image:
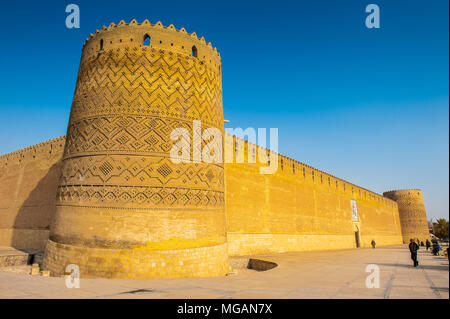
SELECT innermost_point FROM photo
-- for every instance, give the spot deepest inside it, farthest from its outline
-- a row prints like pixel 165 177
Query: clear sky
pixel 366 105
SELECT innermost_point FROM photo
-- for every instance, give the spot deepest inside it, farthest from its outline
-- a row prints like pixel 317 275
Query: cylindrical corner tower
pixel 411 209
pixel 124 209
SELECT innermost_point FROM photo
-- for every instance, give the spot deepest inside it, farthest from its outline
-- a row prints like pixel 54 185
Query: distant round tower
pixel 124 209
pixel 413 217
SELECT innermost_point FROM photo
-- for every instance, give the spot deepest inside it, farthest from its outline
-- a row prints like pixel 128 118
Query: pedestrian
pixel 373 243
pixel 427 244
pixel 421 243
pixel 436 248
pixel 413 248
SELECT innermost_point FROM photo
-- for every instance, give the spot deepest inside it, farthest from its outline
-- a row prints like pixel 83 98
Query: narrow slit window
pixel 101 44
pixel 146 40
pixel 194 51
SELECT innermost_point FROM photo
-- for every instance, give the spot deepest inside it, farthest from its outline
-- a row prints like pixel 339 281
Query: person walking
pixel 413 248
pixel 373 243
pixel 427 244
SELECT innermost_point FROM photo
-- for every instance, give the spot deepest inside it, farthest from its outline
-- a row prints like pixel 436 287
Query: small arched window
pixel 146 40
pixel 194 51
pixel 101 44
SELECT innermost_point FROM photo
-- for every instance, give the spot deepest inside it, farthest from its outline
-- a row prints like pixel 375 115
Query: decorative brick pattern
pixel 412 213
pixel 119 188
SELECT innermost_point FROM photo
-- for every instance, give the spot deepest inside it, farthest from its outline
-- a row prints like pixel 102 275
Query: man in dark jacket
pixel 413 248
pixel 428 244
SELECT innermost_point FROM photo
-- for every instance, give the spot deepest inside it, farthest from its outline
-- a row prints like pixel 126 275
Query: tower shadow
pixel 31 226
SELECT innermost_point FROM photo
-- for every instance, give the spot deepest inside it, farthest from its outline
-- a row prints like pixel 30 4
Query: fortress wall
pixel 28 183
pixel 301 208
pixel 286 211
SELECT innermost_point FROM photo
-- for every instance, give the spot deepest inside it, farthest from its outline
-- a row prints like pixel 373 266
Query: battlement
pixel 48 148
pixel 290 167
pixel 406 190
pixel 135 35
pixel 401 193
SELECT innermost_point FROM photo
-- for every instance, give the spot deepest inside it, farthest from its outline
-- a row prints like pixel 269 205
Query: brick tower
pixel 124 209
pixel 413 216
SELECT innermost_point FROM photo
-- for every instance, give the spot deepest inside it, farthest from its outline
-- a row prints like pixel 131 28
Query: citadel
pixel 107 196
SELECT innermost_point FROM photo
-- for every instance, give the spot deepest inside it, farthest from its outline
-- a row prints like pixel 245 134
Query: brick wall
pixel 28 183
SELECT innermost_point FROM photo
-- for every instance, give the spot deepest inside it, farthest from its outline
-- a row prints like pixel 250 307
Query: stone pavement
pixel 323 274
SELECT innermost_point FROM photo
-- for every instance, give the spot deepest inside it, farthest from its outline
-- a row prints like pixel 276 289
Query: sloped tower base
pixel 137 263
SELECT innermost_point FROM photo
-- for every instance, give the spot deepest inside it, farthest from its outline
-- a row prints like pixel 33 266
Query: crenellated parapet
pixel 155 37
pixel 292 168
pixel 36 153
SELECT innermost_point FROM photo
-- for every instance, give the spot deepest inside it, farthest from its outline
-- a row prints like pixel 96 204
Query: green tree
pixel 441 228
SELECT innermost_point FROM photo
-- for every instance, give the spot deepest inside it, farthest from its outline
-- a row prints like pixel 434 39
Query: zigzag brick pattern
pixel 411 209
pixel 119 191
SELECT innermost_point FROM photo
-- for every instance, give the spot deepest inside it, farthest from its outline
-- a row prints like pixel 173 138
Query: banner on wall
pixel 354 210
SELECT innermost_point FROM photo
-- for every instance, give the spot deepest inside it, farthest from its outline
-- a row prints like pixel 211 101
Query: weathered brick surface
pixel 413 217
pixel 138 263
pixel 29 179
pixel 119 189
pixel 301 208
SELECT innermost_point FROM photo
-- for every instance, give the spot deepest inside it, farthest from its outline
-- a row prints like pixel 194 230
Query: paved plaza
pixel 322 274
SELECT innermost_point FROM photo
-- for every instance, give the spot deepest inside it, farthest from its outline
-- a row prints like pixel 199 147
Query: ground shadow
pixel 32 220
pixel 430 267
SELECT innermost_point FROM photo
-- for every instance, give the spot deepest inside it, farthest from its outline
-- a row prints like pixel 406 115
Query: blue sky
pixel 366 105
